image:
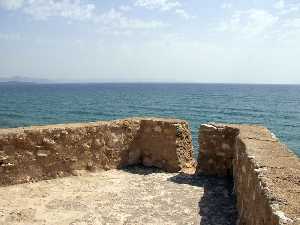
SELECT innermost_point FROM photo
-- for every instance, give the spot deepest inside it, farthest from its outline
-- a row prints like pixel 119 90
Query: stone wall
pixel 266 174
pixel 165 144
pixel 36 153
pixel 216 143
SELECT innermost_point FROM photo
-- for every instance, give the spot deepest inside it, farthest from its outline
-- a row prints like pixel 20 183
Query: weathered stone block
pixel 216 144
pixel 165 147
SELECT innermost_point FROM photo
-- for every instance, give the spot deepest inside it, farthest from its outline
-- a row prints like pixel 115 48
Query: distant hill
pixel 20 79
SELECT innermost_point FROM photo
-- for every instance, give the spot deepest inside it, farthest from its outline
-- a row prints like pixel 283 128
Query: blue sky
pixel 151 40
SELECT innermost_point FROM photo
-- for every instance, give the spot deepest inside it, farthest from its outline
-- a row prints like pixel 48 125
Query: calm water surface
pixel 275 106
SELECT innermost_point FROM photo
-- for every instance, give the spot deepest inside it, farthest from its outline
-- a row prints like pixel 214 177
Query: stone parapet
pixel 44 152
pixel 164 143
pixel 217 143
pixel 266 174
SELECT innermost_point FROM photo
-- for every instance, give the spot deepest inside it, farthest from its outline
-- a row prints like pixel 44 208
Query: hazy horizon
pixel 151 41
pixel 49 81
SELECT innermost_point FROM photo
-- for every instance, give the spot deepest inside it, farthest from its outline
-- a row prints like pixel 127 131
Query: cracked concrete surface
pixel 135 195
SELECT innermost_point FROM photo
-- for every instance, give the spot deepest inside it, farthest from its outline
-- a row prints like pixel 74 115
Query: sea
pixel 274 106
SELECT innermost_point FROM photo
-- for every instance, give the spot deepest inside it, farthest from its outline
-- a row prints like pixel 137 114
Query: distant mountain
pixel 20 79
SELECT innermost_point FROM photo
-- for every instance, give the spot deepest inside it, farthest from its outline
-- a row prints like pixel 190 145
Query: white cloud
pixel 285 8
pixel 249 23
pixel 70 9
pixel 115 22
pixel 11 4
pixel 182 13
pixel 43 9
pixel 115 19
pixel 164 5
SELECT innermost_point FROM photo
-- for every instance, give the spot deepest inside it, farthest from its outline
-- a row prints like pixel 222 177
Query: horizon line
pixel 141 82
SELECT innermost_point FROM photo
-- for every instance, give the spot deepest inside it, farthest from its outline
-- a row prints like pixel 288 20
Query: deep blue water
pixel 275 106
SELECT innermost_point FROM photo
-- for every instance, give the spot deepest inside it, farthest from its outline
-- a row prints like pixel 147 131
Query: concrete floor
pixel 132 196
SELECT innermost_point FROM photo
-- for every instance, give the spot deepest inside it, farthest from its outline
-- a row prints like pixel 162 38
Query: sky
pixel 223 41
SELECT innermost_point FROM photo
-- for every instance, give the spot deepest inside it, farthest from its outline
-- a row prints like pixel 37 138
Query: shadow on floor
pixel 217 205
pixel 141 170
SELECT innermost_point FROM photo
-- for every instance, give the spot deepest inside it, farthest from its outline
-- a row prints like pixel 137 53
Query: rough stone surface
pixel 132 196
pixel 37 153
pixel 165 144
pixel 268 189
pixel 266 174
pixel 216 144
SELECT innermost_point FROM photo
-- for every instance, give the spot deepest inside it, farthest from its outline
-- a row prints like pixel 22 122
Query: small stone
pixel 74 159
pixel 273 136
pixel 251 157
pixel 209 126
pixel 9 164
pixel 29 153
pixel 42 153
pixel 27 178
pixel 60 174
pixel 86 146
pixel 260 169
pixel 3 157
pixel 64 132
pixel 283 218
pixel 275 206
pixel 48 141
pixel 56 135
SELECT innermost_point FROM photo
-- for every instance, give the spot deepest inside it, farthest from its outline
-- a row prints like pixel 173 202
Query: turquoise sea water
pixel 275 106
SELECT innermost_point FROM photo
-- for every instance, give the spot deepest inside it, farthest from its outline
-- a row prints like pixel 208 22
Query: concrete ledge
pixel 44 152
pixel 266 174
